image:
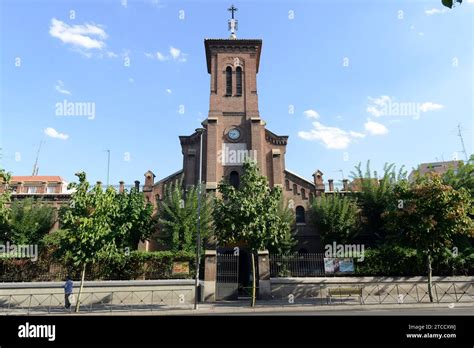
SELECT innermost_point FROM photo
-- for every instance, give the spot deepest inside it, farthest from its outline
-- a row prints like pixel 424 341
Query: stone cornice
pixel 275 139
pixel 232 45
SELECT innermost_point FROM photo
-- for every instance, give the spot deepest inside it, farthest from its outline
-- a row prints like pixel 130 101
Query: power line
pixel 462 142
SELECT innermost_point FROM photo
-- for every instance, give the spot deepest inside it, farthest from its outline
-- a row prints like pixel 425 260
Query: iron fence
pixel 297 265
pixel 368 293
pixel 42 271
pixel 101 302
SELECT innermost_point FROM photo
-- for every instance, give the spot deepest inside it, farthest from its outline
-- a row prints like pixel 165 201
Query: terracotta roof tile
pixel 42 178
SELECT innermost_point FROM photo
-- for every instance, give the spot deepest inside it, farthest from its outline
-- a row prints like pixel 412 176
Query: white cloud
pixel 330 137
pixel 375 128
pixel 435 11
pixel 59 86
pixel 169 91
pixel 131 80
pixel 378 104
pixel 174 54
pixel 111 54
pixel 430 106
pixel 311 113
pixel 86 36
pixel 160 57
pixel 53 133
pixel 389 106
pixel 421 33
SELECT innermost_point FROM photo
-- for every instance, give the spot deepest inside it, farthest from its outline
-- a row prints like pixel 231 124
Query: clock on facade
pixel 234 134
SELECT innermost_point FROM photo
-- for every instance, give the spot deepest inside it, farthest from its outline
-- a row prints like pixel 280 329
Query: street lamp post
pixel 200 131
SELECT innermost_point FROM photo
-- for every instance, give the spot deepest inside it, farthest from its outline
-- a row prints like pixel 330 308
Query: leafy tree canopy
pixel 251 213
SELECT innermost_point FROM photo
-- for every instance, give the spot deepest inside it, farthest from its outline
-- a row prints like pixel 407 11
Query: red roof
pixel 42 178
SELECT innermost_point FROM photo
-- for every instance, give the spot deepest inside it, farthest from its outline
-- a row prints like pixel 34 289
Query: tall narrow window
pixel 234 179
pixel 238 79
pixel 228 80
pixel 300 218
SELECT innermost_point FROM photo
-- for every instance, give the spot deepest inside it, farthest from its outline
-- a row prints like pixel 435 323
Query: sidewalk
pixel 268 307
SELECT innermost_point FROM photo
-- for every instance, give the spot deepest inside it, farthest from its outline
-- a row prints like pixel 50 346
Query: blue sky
pixel 387 81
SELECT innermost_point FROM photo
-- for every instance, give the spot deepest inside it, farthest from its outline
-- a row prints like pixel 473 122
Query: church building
pixel 233 130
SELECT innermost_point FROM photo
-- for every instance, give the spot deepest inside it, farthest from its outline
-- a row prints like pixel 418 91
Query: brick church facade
pixel 233 130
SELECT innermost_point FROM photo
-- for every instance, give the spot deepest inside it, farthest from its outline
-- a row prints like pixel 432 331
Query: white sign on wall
pixel 234 154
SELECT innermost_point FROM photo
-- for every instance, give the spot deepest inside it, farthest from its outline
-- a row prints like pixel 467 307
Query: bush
pixel 402 261
pixel 137 265
pixel 336 218
pixel 142 265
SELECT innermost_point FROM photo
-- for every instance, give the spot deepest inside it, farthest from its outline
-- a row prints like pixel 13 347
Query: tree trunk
pixel 429 269
pixel 78 300
pixel 253 280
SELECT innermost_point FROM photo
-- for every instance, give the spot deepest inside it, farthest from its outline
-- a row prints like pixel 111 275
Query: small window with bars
pixel 228 81
pixel 238 80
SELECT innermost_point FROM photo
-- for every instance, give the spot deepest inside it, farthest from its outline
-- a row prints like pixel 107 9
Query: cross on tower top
pixel 233 23
pixel 232 9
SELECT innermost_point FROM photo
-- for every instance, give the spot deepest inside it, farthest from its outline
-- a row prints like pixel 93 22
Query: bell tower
pixel 234 127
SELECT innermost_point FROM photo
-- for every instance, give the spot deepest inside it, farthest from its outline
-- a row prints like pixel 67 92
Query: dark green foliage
pixel 30 221
pixel 137 265
pixel 5 199
pixel 251 215
pixel 178 216
pixel 374 197
pixel 398 261
pixel 336 218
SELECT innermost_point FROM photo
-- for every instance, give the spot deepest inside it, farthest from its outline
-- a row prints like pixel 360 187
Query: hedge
pixel 403 261
pixel 136 265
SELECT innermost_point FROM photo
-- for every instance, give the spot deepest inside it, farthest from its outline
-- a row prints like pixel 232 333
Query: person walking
pixel 68 287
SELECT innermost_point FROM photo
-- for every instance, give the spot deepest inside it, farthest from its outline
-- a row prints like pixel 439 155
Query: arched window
pixel 295 189
pixel 300 214
pixel 311 196
pixel 234 179
pixel 238 80
pixel 287 185
pixel 228 81
pixel 303 193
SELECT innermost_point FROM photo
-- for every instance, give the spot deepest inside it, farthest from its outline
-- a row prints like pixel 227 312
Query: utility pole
pixel 108 166
pixel 199 131
pixel 35 166
pixel 462 143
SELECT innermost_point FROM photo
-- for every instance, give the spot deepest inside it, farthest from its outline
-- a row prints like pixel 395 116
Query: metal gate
pixel 227 280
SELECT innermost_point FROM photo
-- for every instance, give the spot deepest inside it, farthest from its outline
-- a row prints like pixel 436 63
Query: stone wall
pixel 169 293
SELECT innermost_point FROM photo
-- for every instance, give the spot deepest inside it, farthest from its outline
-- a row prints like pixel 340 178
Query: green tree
pixel 178 216
pixel 462 177
pixel 88 224
pixel 30 221
pixel 336 218
pixel 374 197
pixel 287 240
pixel 429 215
pixel 134 221
pixel 250 214
pixel 5 200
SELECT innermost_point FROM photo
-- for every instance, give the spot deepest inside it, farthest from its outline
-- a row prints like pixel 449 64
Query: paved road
pixel 377 311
